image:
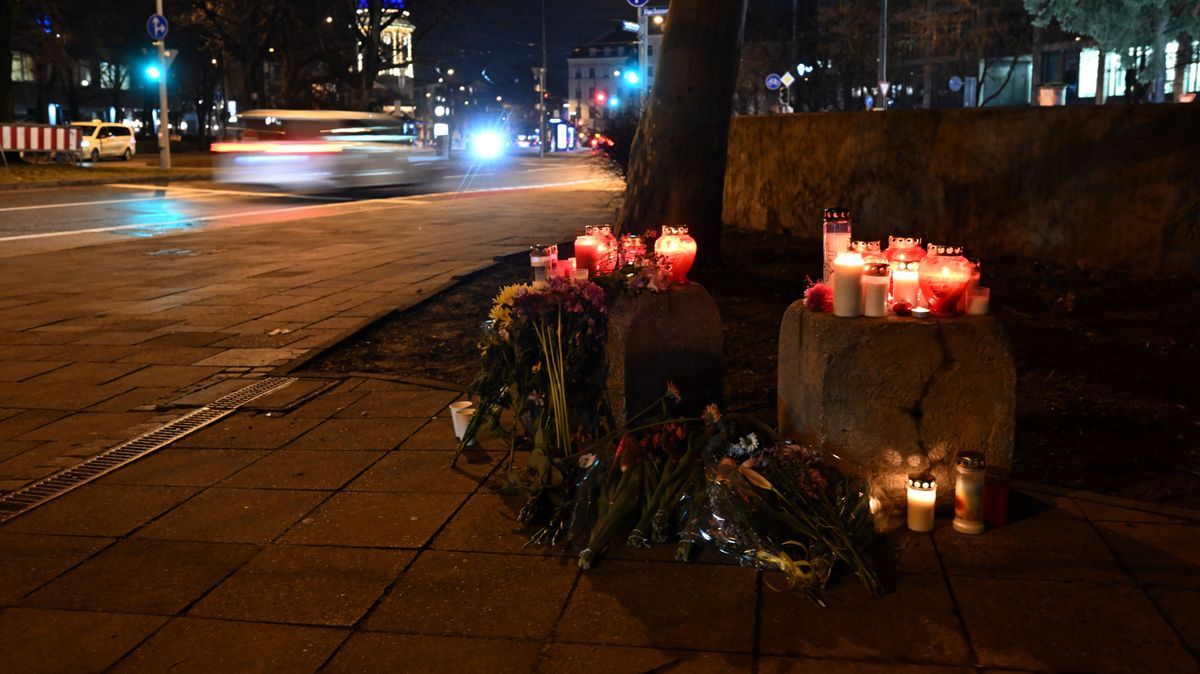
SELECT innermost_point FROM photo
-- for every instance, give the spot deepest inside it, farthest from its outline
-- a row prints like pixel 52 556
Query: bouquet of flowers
pixel 776 505
pixel 543 359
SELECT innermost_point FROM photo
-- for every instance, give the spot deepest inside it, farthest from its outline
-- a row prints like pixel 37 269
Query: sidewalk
pixel 330 533
pixel 143 168
pixel 93 339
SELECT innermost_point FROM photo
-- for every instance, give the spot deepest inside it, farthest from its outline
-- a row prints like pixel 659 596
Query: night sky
pixel 503 37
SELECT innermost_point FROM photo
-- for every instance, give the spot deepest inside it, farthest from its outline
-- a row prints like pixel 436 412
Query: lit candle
pixel 922 497
pixel 905 282
pixel 977 303
pixel 847 284
pixel 875 289
pixel 944 277
pixel 920 312
pixel 585 250
pixel 678 249
pixel 836 232
pixel 539 259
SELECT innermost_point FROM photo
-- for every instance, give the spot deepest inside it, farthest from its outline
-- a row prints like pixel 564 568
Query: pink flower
pixel 819 297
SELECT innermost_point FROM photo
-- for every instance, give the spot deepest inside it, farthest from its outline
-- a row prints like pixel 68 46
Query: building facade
pixel 605 77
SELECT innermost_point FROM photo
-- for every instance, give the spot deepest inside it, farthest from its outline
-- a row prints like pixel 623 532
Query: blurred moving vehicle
pixel 316 150
pixel 104 139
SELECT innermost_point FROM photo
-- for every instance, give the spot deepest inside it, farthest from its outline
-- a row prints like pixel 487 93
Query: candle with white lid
pixel 875 289
pixel 848 284
pixel 905 282
pixel 836 236
pixel 922 499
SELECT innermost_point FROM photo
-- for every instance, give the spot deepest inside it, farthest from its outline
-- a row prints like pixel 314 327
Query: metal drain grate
pixel 27 498
pixel 254 391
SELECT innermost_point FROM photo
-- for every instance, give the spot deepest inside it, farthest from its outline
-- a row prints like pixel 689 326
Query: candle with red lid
pixel 678 250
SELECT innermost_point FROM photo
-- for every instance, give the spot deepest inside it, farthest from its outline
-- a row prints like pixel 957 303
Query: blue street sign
pixel 156 26
pixel 774 81
pixel 638 3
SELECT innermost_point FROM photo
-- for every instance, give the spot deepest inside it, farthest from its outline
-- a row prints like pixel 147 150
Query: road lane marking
pixel 272 211
pixel 72 204
pixel 217 192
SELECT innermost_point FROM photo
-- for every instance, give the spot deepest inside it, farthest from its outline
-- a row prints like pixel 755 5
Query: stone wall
pixel 1105 186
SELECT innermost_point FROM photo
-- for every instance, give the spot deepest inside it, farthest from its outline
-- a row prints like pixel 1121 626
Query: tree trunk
pixel 1101 73
pixel 1160 60
pixel 8 20
pixel 1183 58
pixel 927 66
pixel 119 75
pixel 677 164
pixel 370 67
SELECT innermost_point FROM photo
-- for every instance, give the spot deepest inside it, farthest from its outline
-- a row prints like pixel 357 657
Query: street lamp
pixel 450 72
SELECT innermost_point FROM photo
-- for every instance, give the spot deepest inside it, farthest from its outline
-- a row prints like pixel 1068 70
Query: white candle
pixel 875 290
pixel 835 245
pixel 922 497
pixel 977 304
pixel 905 284
pixel 847 284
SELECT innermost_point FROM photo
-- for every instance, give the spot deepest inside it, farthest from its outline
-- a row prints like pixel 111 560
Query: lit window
pixel 22 68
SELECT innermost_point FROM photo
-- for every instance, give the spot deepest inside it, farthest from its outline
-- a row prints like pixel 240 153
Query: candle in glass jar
pixel 539 260
pixel 875 289
pixel 905 282
pixel 585 250
pixel 922 498
pixel 977 301
pixel 836 234
pixel 848 284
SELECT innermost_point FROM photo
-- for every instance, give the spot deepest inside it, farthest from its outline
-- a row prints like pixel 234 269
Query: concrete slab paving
pixel 114 326
pixel 302 584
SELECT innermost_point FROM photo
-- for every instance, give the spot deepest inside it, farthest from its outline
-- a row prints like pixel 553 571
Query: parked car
pixel 315 150
pixel 103 139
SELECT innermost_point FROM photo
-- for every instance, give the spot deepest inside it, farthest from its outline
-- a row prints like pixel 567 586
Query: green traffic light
pixel 153 73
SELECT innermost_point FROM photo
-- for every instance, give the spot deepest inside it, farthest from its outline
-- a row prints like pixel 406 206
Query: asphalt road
pixel 60 218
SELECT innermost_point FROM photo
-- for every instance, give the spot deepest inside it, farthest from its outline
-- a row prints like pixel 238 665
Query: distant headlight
pixel 487 144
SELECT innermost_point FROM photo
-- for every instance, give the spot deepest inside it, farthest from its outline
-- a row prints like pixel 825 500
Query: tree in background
pixel 677 168
pixel 8 23
pixel 1121 25
pixel 964 35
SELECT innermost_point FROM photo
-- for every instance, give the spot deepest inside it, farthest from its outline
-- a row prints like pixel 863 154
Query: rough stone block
pixel 894 396
pixel 672 336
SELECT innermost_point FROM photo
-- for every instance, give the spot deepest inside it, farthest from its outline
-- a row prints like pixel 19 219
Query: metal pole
pixel 883 42
pixel 643 55
pixel 542 90
pixel 164 113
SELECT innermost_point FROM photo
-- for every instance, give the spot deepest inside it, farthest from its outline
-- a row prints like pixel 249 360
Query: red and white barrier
pixel 38 138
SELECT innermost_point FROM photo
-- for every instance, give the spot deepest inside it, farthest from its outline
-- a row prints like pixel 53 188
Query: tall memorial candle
pixel 836 234
pixel 848 284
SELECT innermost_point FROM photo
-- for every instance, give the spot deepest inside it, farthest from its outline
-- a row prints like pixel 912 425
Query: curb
pixel 103 181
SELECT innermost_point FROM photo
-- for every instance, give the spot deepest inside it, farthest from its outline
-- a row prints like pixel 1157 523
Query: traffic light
pixel 153 73
pixel 632 77
pixel 601 97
